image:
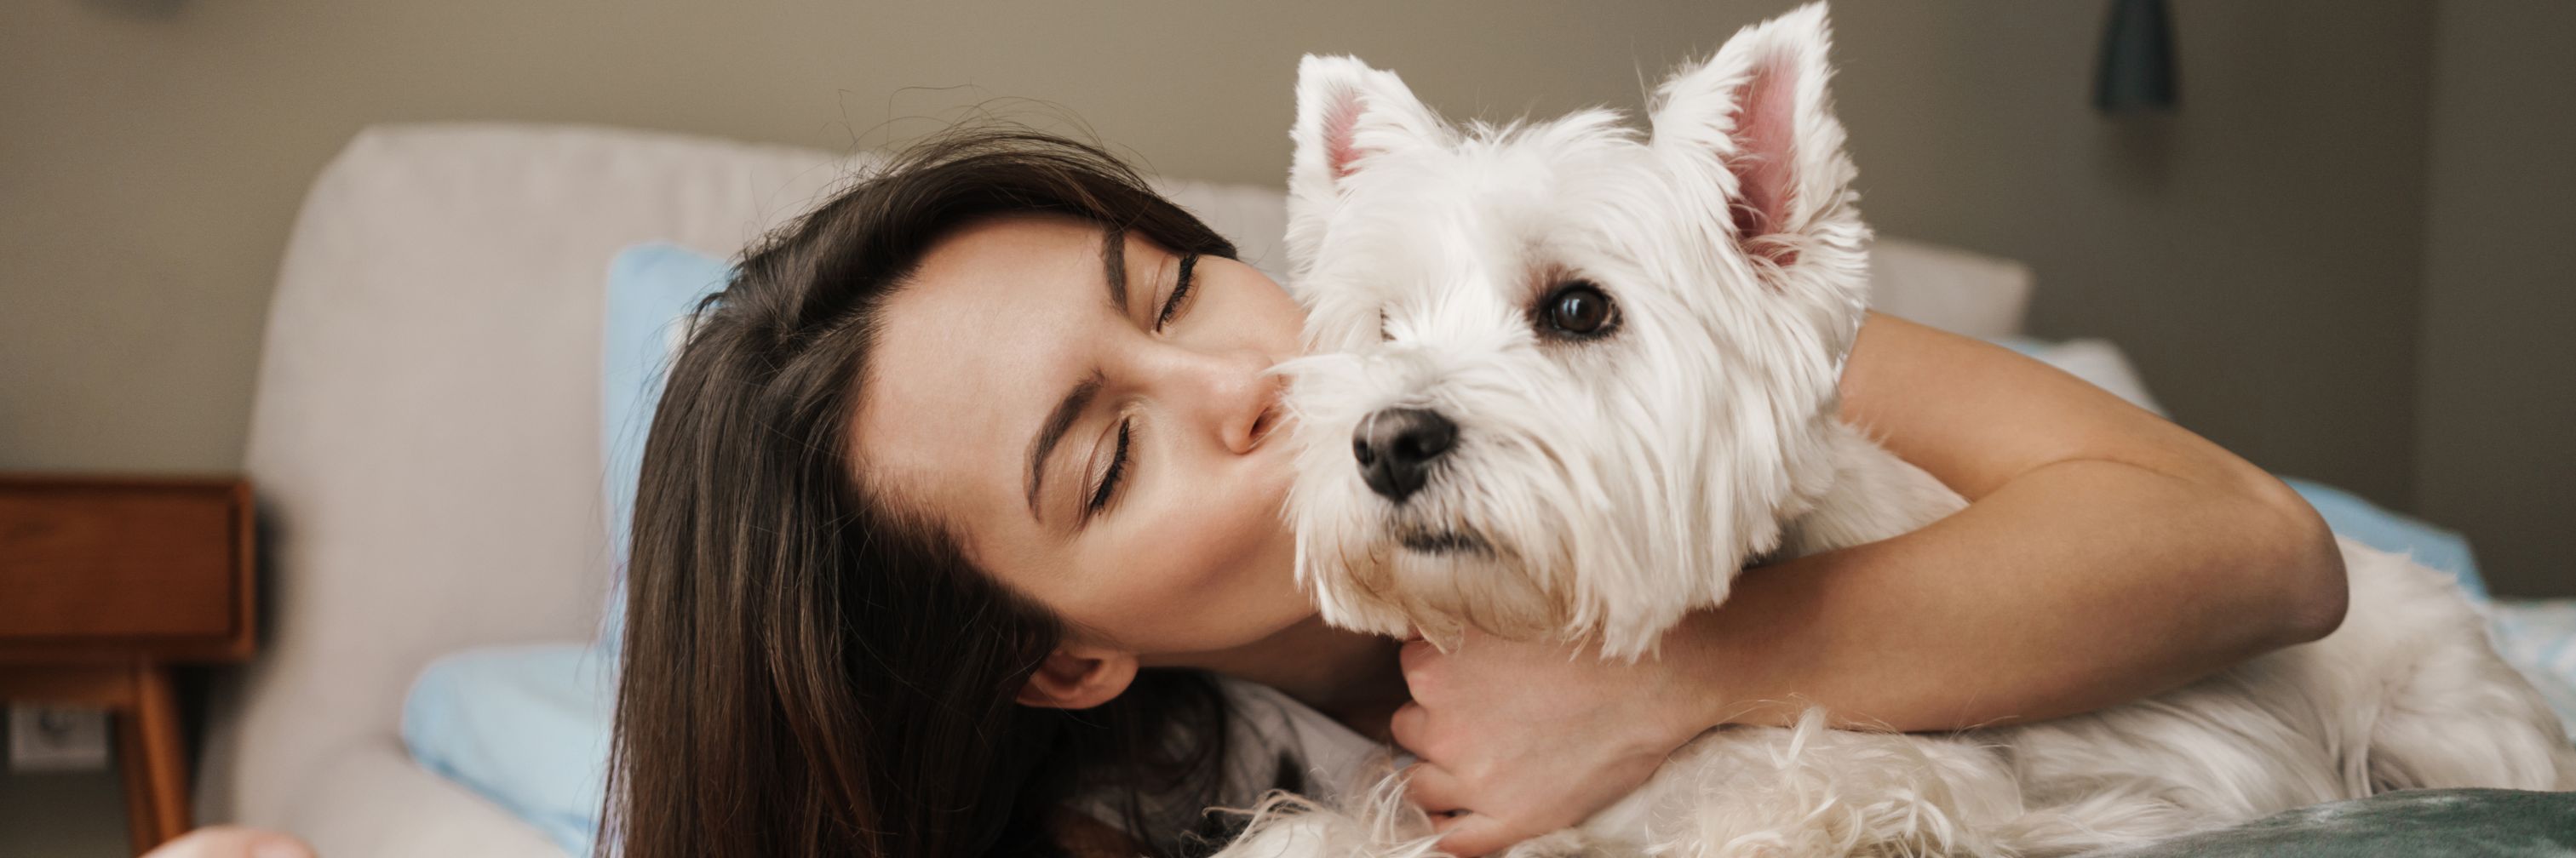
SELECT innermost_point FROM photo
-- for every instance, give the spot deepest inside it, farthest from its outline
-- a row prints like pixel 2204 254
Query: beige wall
pixel 2259 252
pixel 152 151
pixel 2497 419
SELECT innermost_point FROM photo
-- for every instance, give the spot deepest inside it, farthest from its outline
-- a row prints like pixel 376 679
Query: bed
pixel 437 449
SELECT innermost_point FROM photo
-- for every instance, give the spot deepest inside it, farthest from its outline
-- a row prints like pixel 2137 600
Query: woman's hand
pixel 1521 739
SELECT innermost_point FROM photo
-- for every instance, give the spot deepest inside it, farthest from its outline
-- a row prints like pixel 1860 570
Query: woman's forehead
pixel 996 322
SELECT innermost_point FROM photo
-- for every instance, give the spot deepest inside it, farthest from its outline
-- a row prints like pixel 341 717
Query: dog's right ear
pixel 1347 114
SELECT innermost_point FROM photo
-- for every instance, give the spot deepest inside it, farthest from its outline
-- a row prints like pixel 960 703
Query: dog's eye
pixel 1577 310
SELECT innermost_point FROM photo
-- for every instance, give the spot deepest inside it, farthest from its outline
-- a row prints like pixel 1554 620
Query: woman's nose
pixel 1231 394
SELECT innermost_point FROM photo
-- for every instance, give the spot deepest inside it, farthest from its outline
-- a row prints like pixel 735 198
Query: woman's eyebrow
pixel 1052 431
pixel 1113 262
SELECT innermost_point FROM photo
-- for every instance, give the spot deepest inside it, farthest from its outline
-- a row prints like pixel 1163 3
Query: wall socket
pixel 56 738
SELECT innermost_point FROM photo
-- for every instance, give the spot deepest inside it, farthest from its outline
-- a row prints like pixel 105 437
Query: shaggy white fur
pixel 1604 481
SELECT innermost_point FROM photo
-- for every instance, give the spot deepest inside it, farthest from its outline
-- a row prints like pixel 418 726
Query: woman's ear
pixel 1079 676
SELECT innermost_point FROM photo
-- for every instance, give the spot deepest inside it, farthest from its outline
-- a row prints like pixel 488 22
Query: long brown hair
pixel 811 668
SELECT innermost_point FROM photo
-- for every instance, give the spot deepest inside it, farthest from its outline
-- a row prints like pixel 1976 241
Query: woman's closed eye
pixel 1111 479
pixel 1182 290
pixel 1107 488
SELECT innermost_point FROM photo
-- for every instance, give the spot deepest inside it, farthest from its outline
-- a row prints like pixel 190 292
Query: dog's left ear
pixel 1757 123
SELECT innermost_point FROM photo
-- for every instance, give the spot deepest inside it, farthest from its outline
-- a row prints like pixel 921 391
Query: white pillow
pixel 1959 291
pixel 2093 360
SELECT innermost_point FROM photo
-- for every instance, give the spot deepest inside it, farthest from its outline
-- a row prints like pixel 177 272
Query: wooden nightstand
pixel 106 581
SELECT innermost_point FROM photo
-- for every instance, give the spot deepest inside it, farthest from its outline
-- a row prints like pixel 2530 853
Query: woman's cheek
pixel 1207 545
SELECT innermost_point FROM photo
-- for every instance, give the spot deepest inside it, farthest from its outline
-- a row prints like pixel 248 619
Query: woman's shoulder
pixel 1271 729
pixel 1272 742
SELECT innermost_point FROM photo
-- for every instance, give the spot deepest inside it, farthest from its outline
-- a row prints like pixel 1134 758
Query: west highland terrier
pixel 1571 378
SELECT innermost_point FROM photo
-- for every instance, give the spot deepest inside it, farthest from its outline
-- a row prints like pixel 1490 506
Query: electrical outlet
pixel 56 738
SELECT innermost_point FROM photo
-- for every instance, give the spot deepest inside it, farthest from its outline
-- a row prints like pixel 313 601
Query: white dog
pixel 1573 378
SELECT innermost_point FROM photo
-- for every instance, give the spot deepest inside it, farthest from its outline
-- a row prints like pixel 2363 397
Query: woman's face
pixel 1099 446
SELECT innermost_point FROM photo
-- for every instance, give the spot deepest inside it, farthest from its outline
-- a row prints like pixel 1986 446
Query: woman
pixel 964 489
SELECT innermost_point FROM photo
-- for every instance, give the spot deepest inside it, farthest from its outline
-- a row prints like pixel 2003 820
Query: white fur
pixel 1619 483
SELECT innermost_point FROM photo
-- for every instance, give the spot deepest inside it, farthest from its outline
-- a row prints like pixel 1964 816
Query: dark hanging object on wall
pixel 2137 59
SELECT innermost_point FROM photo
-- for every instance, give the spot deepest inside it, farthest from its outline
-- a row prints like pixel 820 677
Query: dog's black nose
pixel 1396 447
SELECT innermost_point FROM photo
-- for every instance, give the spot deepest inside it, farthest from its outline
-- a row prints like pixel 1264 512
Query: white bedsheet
pixel 2539 637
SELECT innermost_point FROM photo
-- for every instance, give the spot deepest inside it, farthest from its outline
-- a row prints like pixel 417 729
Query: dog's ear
pixel 1347 113
pixel 1757 124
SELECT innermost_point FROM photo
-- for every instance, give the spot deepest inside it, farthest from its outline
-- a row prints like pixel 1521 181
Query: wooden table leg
pixel 156 772
pixel 147 734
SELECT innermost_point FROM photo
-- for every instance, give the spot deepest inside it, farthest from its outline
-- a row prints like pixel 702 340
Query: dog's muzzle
pixel 1397 447
pixel 1445 542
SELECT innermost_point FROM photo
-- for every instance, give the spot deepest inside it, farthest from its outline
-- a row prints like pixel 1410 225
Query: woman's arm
pixel 2105 555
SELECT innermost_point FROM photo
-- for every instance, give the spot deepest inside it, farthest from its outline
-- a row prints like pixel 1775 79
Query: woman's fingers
pixel 1435 791
pixel 1408 726
pixel 1462 832
pixel 1470 835
pixel 1418 659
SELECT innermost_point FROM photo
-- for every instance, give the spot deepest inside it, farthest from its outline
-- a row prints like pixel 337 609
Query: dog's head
pixel 1567 376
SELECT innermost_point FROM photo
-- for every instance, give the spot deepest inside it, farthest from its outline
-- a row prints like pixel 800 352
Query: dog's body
pixel 2406 694
pixel 1569 381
